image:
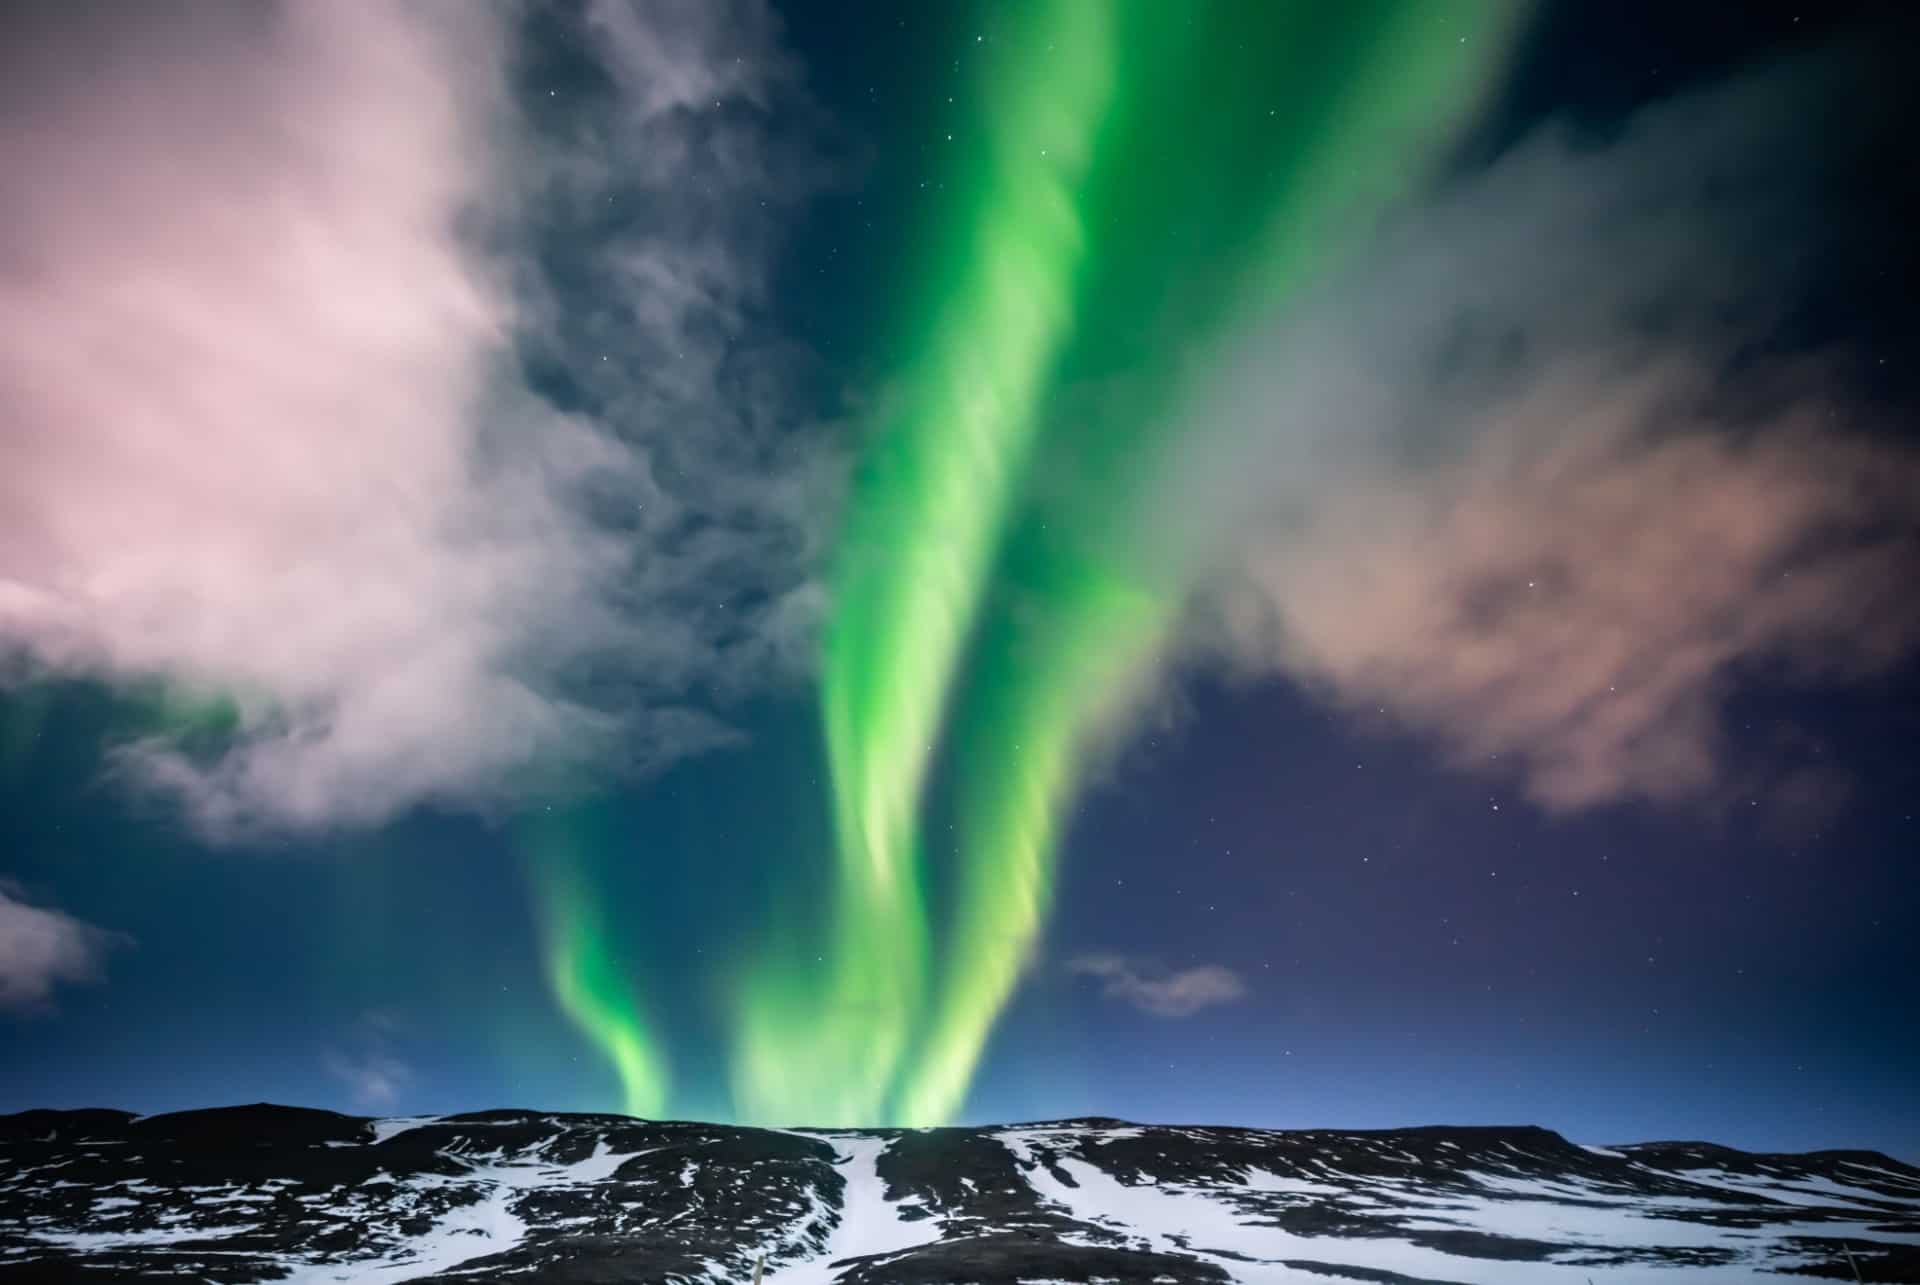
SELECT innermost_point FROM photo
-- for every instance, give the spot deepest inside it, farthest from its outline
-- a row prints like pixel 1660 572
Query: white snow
pixel 135 1239
pixel 397 1125
pixel 1115 1135
pixel 1883 1175
pixel 869 1224
pixel 463 1234
pixel 1811 1191
pixel 1216 1224
pixel 471 1231
pixel 598 1166
pixel 1259 1179
pixel 1223 1219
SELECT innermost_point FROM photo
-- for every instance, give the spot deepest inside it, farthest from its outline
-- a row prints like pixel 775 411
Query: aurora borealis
pixel 1078 172
pixel 922 530
pixel 1075 171
pixel 584 971
pixel 1087 603
pixel 804 563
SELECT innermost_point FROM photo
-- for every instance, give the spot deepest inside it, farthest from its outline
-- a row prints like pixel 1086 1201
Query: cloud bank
pixel 304 406
pixel 41 949
pixel 1552 467
pixel 1161 992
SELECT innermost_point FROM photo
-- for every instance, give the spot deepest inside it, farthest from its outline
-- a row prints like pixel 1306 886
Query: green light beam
pixel 1090 596
pixel 821 1038
pixel 583 971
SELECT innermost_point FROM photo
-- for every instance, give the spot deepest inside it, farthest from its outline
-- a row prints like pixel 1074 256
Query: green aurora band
pixel 1132 184
pixel 1359 97
pixel 822 1044
pixel 584 971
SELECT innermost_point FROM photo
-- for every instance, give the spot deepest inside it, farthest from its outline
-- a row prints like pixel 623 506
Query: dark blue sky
pixel 1419 940
pixel 1412 953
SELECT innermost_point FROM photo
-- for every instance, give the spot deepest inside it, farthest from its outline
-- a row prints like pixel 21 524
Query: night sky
pixel 1259 563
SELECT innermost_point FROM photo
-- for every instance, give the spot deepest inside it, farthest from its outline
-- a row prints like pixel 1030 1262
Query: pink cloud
pixel 262 429
pixel 1577 600
pixel 41 948
pixel 1541 474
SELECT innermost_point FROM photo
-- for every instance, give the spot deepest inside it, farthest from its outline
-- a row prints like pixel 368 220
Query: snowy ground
pixel 868 1224
pixel 272 1193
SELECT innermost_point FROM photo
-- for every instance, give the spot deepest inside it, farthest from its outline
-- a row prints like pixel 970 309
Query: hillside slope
pixel 261 1193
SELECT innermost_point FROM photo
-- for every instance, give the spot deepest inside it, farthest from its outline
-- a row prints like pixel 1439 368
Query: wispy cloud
pixel 375 1080
pixel 303 400
pixel 366 1063
pixel 42 948
pixel 1546 473
pixel 1161 992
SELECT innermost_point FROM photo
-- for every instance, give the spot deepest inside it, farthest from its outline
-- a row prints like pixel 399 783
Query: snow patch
pixel 460 1236
pixel 869 1225
pixel 135 1239
pixel 1211 1224
pixel 397 1125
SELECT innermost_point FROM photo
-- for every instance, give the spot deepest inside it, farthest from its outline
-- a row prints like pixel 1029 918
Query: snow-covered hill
pixel 277 1193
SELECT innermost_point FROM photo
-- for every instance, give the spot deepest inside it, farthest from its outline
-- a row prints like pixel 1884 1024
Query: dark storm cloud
pixel 271 281
pixel 1561 459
